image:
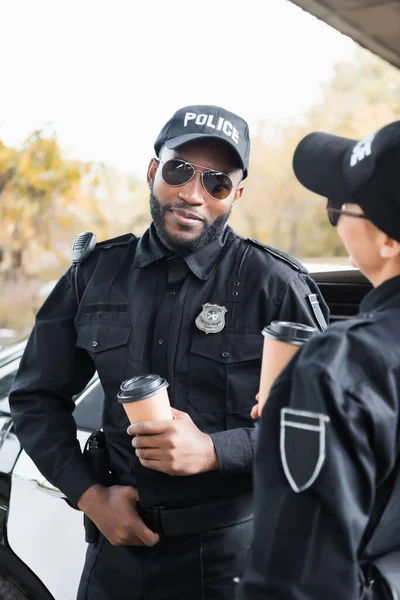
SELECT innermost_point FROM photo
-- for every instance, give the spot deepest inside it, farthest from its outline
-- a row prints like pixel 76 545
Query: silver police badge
pixel 302 446
pixel 212 318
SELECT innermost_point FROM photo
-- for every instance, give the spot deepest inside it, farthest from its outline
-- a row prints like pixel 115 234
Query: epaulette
pixel 85 244
pixel 121 240
pixel 279 255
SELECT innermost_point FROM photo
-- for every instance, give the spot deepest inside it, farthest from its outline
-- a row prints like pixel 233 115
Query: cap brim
pixel 318 165
pixel 190 137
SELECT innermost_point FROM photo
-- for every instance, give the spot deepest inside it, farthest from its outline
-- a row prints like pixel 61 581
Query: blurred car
pixel 40 533
pixel 6 336
pixel 42 545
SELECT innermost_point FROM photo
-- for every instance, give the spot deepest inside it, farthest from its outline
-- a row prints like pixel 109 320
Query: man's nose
pixel 192 192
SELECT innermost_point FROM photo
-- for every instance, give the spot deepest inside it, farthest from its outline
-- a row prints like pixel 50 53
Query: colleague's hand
pixel 175 447
pixel 255 411
pixel 113 511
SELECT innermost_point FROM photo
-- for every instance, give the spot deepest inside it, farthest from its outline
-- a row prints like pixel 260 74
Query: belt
pixel 190 520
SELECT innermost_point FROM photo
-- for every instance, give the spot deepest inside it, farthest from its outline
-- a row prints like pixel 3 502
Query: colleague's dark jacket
pixel 330 428
pixel 137 315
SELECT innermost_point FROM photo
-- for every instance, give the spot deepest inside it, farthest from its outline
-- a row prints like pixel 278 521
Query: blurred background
pixel 86 87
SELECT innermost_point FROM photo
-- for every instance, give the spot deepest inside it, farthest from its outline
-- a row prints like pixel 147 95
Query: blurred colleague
pixel 186 301
pixel 327 487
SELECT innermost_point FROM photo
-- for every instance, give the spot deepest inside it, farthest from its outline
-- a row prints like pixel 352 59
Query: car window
pixel 5 384
pixel 10 353
pixel 7 374
pixel 88 413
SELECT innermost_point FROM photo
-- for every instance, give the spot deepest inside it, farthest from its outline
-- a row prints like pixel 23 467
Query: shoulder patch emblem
pixel 302 446
pixel 212 318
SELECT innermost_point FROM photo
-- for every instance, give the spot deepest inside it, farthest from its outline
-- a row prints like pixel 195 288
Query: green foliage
pixel 45 200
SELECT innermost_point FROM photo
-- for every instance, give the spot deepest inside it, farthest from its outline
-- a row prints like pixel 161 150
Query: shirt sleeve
pixel 235 449
pixel 315 473
pixel 300 295
pixel 52 370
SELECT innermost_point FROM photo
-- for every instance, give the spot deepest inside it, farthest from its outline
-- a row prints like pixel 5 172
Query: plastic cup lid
pixel 140 387
pixel 292 333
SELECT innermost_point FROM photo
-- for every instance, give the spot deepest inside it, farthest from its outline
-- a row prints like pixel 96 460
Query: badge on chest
pixel 212 318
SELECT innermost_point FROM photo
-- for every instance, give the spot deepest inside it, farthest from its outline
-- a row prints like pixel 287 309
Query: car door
pixel 43 529
pixel 343 290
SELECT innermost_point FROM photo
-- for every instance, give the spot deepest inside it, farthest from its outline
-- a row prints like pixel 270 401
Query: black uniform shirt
pixel 137 315
pixel 328 444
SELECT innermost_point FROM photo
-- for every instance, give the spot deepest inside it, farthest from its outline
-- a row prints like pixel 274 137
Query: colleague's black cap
pixel 365 172
pixel 206 121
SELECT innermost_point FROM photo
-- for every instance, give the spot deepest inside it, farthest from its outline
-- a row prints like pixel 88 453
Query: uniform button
pixel 171 294
pixel 225 354
pixel 160 342
pixel 236 283
pixel 235 293
pixel 94 344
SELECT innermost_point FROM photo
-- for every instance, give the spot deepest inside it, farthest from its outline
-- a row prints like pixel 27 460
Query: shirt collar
pixel 201 263
pixel 386 295
pixel 149 249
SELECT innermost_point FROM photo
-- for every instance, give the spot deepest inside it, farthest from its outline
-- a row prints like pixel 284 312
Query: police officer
pixel 327 486
pixel 186 301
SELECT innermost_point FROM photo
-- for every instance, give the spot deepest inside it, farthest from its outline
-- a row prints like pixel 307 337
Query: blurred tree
pixel 8 158
pixel 362 96
pixel 39 175
pixel 46 200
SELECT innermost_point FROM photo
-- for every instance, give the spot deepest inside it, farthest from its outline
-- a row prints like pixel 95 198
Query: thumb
pixel 133 494
pixel 255 412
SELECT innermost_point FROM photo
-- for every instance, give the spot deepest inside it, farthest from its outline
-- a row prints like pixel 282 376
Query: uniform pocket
pixel 100 337
pixel 105 336
pixel 224 376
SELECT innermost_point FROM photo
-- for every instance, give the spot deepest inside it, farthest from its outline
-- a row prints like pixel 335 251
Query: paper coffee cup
pixel 281 342
pixel 145 398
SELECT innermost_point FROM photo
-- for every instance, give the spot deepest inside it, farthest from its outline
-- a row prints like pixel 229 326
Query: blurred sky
pixel 108 74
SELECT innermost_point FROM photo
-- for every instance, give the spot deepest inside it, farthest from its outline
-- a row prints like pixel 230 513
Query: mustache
pixel 183 207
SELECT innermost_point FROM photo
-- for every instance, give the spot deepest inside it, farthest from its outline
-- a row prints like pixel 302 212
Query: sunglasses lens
pixel 218 185
pixel 177 172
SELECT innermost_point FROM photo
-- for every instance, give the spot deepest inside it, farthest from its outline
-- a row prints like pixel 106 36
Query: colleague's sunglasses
pixel 176 172
pixel 334 214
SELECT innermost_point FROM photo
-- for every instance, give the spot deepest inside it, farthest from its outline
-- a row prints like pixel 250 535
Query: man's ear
pixel 238 194
pixel 390 248
pixel 152 170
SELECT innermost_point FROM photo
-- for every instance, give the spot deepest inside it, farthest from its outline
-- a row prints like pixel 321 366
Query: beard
pixel 211 230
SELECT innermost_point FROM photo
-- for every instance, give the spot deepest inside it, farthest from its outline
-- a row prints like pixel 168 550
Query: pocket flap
pixel 96 338
pixel 230 347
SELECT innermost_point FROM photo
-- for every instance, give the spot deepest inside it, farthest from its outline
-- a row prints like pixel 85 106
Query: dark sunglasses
pixel 176 172
pixel 334 214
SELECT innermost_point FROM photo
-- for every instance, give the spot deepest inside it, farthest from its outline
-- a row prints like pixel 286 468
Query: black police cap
pixel 206 121
pixel 365 172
